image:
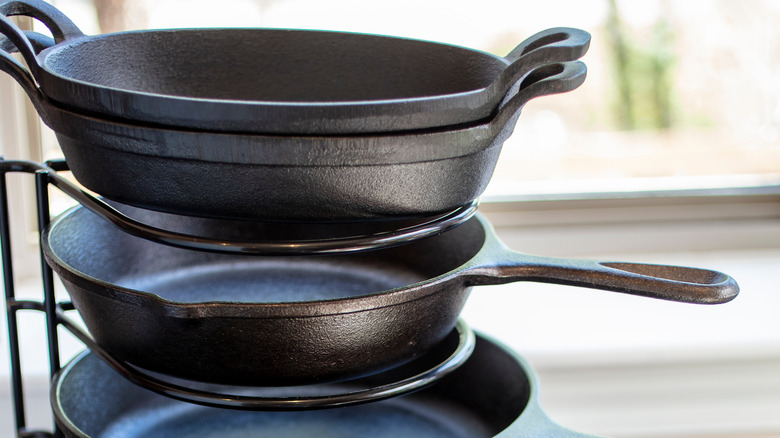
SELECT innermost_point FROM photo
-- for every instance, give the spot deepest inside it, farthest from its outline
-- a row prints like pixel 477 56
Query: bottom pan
pixel 494 394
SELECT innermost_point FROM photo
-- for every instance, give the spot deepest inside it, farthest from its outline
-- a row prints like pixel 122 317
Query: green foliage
pixel 643 86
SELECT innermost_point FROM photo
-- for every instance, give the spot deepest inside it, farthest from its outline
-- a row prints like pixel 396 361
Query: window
pixel 669 153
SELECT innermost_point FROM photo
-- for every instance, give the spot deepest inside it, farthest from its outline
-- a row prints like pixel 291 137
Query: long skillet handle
pixel 674 283
pixel 559 44
pixel 61 27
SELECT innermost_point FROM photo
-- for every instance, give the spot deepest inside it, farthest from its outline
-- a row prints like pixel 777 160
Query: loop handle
pixel 555 78
pixel 61 27
pixel 559 44
pixel 23 45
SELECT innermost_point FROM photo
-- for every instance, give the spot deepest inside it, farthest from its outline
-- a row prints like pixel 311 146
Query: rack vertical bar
pixel 11 308
pixel 49 300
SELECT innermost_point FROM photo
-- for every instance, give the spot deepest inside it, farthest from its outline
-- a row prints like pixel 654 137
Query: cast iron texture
pixel 494 394
pixel 260 320
pixel 275 80
pixel 313 178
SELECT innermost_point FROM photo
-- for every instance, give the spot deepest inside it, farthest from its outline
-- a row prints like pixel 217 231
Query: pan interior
pixel 269 281
pixel 388 420
pixel 273 65
pixel 85 245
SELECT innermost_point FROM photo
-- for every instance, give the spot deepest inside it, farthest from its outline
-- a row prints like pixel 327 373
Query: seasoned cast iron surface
pixel 86 243
pixel 270 280
pixel 272 80
pixel 274 65
pixel 341 321
pixel 257 320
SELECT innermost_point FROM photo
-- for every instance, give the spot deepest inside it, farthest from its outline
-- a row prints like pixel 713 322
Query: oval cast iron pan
pixel 311 178
pixel 276 81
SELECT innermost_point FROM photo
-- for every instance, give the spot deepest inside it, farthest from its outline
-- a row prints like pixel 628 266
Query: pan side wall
pixel 265 351
pixel 280 192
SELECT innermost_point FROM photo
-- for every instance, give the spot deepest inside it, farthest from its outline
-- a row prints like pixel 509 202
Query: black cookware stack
pixel 287 231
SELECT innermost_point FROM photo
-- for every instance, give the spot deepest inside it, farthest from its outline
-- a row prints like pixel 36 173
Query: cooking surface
pixel 271 281
pixel 390 419
pixel 296 66
pixel 89 245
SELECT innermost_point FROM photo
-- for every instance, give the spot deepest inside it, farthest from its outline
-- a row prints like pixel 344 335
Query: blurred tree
pixel 662 63
pixel 644 73
pixel 623 80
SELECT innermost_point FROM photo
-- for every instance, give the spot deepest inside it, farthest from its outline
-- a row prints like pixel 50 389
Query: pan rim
pixel 57 50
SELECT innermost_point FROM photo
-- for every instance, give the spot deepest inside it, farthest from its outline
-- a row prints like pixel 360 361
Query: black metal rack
pixel 46 174
pixel 48 305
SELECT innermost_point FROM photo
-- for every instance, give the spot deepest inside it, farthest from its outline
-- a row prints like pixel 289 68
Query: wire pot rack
pixel 46 174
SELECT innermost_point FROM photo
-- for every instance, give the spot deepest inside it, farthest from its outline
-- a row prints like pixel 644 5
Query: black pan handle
pixel 554 78
pixel 559 44
pixel 674 283
pixel 61 27
pixel 39 42
pixel 20 74
pixel 17 70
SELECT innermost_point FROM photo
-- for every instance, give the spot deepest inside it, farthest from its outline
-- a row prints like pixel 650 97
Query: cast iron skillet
pixel 494 394
pixel 274 80
pixel 311 178
pixel 263 320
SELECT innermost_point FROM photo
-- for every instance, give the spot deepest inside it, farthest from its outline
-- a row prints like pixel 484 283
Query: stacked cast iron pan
pixel 283 124
pixel 237 135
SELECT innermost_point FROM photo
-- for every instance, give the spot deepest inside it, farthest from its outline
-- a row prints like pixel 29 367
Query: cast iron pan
pixel 494 394
pixel 262 320
pixel 312 178
pixel 274 80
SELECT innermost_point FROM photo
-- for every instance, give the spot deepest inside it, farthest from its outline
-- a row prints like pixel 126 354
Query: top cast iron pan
pixel 278 177
pixel 265 320
pixel 277 81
